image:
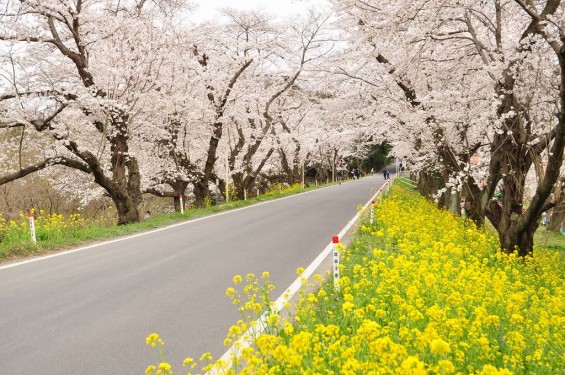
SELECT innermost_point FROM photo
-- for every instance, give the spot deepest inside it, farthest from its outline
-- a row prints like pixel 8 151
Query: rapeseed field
pixel 421 292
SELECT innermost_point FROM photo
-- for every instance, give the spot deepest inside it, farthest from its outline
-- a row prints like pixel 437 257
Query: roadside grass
pixel 550 240
pixel 420 292
pixel 60 232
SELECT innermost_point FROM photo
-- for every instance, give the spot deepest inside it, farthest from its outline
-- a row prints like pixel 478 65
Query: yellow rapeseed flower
pixel 206 357
pixel 189 362
pixel 164 368
pixel 230 292
pixel 152 340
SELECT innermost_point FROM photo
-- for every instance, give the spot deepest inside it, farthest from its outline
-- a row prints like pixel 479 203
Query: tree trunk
pixel 453 202
pixel 238 182
pixel 125 173
pixel 124 187
pixel 556 219
pixel 427 184
pixel 473 204
pixel 513 156
pixel 522 242
pixel 516 233
pixel 128 211
pixel 200 191
pixel 246 183
pixel 558 213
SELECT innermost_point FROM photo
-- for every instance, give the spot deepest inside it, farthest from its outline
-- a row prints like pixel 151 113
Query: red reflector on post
pixel 335 239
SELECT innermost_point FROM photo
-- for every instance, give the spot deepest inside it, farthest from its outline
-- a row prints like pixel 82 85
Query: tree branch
pixel 75 164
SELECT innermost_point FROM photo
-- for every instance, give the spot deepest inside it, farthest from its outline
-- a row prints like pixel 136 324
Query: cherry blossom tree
pixel 469 54
pixel 271 62
pixel 86 77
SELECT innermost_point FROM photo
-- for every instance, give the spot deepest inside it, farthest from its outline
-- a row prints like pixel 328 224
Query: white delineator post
pixel 32 226
pixel 303 184
pixel 335 241
pixel 181 205
pixel 372 212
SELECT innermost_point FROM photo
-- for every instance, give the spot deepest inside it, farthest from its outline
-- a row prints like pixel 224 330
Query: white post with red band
pixel 335 241
pixel 32 226
pixel 181 205
pixel 372 212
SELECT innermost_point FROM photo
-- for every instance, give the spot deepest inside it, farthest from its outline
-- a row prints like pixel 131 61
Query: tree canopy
pixel 133 99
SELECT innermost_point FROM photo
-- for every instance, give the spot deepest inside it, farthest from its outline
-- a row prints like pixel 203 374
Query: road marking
pixel 257 326
pixel 88 247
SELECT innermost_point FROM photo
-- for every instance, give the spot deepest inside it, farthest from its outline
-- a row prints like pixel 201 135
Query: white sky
pixel 207 9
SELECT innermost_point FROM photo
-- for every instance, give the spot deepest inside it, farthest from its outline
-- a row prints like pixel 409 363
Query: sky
pixel 207 9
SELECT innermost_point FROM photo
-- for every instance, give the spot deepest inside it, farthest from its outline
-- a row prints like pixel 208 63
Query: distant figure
pixel 462 209
pixel 147 215
pixel 355 173
pixel 384 173
pixel 372 171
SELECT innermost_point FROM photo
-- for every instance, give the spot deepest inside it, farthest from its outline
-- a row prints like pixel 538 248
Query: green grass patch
pixel 59 232
pixel 550 240
pixel 405 181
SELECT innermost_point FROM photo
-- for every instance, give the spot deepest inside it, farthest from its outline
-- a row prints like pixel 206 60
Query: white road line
pixel 88 247
pixel 257 327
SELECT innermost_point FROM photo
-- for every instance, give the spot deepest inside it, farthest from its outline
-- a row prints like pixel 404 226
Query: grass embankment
pixel 58 232
pixel 550 240
pixel 421 292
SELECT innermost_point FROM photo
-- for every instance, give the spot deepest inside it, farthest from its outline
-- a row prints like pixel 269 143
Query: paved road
pixel 88 312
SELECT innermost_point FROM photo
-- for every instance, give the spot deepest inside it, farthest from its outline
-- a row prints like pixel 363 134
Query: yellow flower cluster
pixel 153 340
pixel 280 188
pixel 422 292
pixel 163 368
pixel 47 226
pixel 251 296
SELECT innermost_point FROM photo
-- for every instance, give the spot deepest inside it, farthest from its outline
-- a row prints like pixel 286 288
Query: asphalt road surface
pixel 89 311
